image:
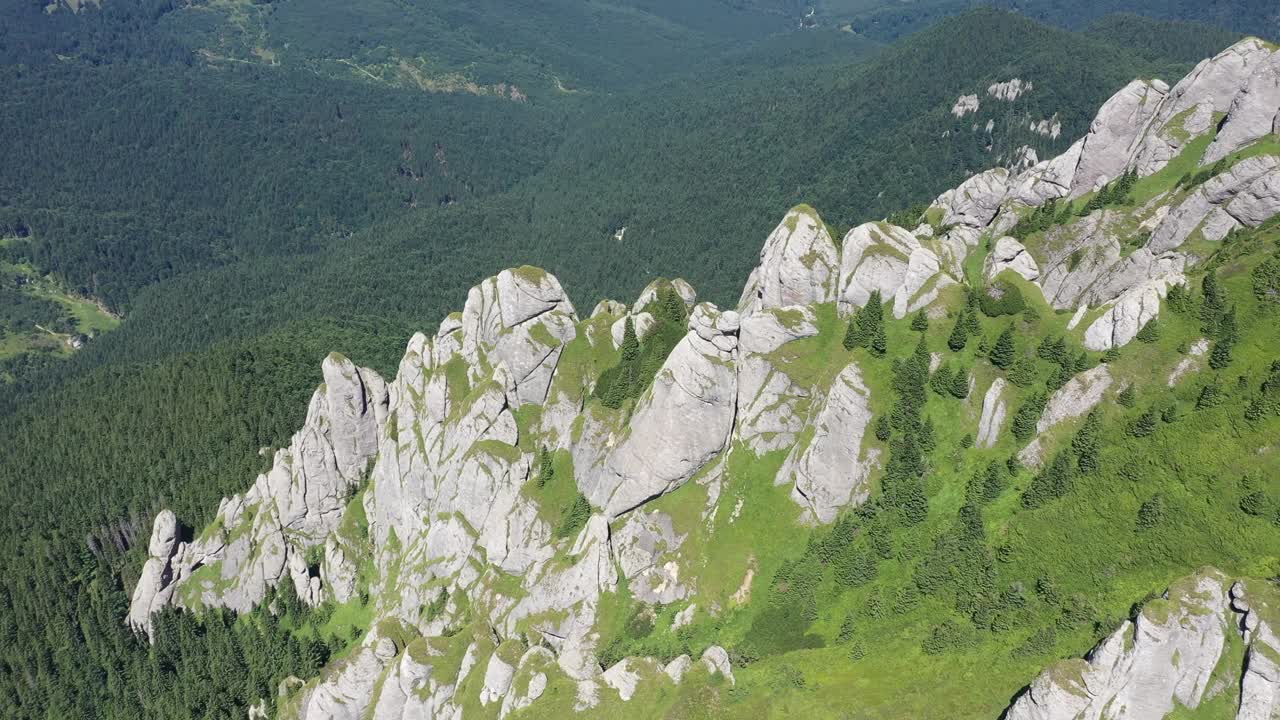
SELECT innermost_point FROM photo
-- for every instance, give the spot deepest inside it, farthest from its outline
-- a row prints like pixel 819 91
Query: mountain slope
pixel 542 514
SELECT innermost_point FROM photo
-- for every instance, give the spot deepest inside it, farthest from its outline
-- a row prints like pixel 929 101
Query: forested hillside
pixel 886 20
pixel 253 188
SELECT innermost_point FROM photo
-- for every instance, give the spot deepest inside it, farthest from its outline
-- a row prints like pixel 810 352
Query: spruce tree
pixel 959 334
pixel 1087 442
pixel 941 381
pixel 1128 397
pixel 959 388
pixel 630 345
pixel 920 323
pixel 1024 421
pixel 879 341
pixel 546 470
pixel 1145 425
pixel 1212 306
pixel 1220 356
pixel 1150 332
pixel 883 429
pixel 1023 372
pixel 866 328
pixel 972 325
pixel 1004 352
pixel 928 439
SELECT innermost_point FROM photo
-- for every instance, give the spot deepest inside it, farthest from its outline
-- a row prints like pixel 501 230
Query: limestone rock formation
pixel 646 547
pixel 1081 394
pixel 1244 195
pixel 798 265
pixel 430 479
pixel 1009 254
pixel 884 257
pixel 1128 314
pixel 1047 179
pixel 681 422
pixel 994 409
pixel 1115 131
pixel 155 583
pixel 261 536
pixel 770 406
pixel 520 319
pixel 1253 110
pixel 832 469
pixel 976 201
pixel 1173 654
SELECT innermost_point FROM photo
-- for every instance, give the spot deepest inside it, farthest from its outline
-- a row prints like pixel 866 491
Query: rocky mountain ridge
pixel 417 492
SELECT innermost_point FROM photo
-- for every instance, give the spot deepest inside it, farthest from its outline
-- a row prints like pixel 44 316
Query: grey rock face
pixel 573 593
pixel 625 676
pixel 521 319
pixel 717 661
pixel 1080 395
pixel 155 583
pixel 1164 659
pixel 884 257
pixel 994 409
pixel 646 547
pixel 260 536
pixel 770 406
pixel 1116 129
pixel 338 572
pixel 1249 186
pixel 1252 112
pixel 410 689
pixel 976 201
pixel 1128 314
pixel 1009 254
pixel 798 265
pixel 349 691
pixel 681 422
pixel 1048 179
pixel 497 680
pixel 965 104
pixel 1189 109
pixel 831 471
pixel 677 668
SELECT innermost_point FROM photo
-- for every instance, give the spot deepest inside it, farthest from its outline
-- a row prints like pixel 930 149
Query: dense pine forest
pixel 214 212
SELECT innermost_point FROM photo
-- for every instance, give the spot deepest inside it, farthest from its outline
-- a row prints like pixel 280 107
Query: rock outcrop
pixel 1115 132
pixel 681 422
pixel 832 469
pixel 1174 653
pixel 887 258
pixel 771 407
pixel 994 409
pixel 1009 254
pixel 1128 314
pixel 798 265
pixel 1245 195
pixel 261 537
